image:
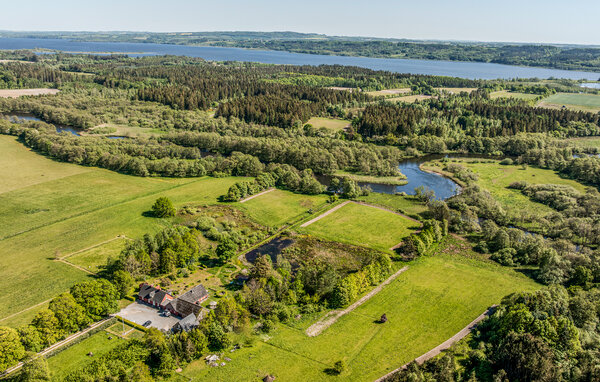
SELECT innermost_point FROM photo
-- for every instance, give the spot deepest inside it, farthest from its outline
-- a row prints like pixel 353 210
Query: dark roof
pixel 153 294
pixel 184 308
pixel 195 294
pixel 187 323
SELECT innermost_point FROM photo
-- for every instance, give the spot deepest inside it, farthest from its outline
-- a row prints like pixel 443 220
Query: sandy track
pixel 446 344
pixel 328 212
pixel 14 93
pixel 316 328
pixel 256 195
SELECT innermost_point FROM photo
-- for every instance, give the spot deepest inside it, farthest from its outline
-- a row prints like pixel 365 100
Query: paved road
pixel 446 344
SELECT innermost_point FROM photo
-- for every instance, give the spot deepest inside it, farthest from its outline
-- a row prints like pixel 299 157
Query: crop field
pixel 410 98
pixel 430 302
pixel 71 209
pixel 279 207
pixel 585 102
pixel 75 357
pixel 389 92
pixel 457 90
pixel 509 94
pixel 495 178
pixel 329 123
pixel 14 93
pixel 93 258
pixel 363 225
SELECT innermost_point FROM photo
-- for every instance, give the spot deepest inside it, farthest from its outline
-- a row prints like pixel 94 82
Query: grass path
pixel 118 237
pixel 25 310
pixel 446 344
pixel 331 317
pixel 76 266
pixel 256 195
pixel 328 212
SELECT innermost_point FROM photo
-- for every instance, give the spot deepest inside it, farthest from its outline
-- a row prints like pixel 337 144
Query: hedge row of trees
pixel 68 313
pixel 420 243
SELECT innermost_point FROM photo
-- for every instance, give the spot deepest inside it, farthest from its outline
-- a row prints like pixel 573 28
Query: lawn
pixel 425 306
pixel 363 225
pixel 74 208
pixel 75 357
pixel 279 207
pixel 495 178
pixel 329 123
pixel 95 257
pixel 585 102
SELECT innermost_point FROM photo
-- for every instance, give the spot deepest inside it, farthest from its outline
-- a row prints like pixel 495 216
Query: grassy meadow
pixel 279 207
pixel 509 94
pixel 576 101
pixel 71 209
pixel 95 257
pixel 426 305
pixel 363 225
pixel 496 178
pixel 329 123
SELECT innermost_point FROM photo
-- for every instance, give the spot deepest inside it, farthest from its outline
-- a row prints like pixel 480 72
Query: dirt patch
pixel 14 93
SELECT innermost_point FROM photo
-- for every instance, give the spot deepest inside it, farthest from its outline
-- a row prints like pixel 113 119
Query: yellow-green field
pixel 575 101
pixel 95 257
pixel 389 92
pixel 363 225
pixel 329 123
pixel 426 305
pixel 279 207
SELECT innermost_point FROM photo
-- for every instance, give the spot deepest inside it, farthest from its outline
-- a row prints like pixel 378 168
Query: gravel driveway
pixel 140 313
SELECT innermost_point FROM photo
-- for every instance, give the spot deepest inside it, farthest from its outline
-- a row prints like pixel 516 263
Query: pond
pixel 591 85
pixel 28 117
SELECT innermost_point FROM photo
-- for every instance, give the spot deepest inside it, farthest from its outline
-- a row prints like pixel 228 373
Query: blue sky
pixel 575 21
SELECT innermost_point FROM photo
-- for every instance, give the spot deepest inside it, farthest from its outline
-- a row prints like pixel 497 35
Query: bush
pixel 340 366
pixel 163 208
pixel 506 161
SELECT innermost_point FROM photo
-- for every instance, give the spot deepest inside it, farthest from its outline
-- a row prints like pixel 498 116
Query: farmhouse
pixel 190 321
pixel 189 302
pixel 154 296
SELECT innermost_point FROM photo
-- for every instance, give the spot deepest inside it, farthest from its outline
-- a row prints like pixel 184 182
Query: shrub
pixel 163 208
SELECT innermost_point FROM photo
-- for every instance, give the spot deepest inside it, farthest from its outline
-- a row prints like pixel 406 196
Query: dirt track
pixel 316 328
pixel 256 195
pixel 328 212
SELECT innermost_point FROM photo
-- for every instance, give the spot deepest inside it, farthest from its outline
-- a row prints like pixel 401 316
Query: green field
pixel 72 208
pixel 329 123
pixel 425 306
pixel 279 207
pixel 75 357
pixel 587 142
pixel 363 225
pixel 588 102
pixel 97 256
pixel 509 94
pixel 404 204
pixel 495 178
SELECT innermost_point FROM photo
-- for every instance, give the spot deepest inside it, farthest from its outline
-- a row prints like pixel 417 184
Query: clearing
pixel 362 225
pixel 389 92
pixel 509 94
pixel 575 101
pixel 14 93
pixel 329 123
pixel 429 303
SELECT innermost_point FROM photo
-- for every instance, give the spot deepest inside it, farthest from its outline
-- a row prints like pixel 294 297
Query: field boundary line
pixel 257 195
pixel 388 210
pixel 331 317
pixel 57 345
pixel 25 310
pixel 328 212
pixel 75 266
pixel 446 344
pixel 93 246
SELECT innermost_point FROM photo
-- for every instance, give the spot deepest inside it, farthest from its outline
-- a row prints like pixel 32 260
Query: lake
pixel 472 70
pixel 591 85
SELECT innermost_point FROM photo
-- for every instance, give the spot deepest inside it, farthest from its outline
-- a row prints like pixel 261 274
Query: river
pixel 472 70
